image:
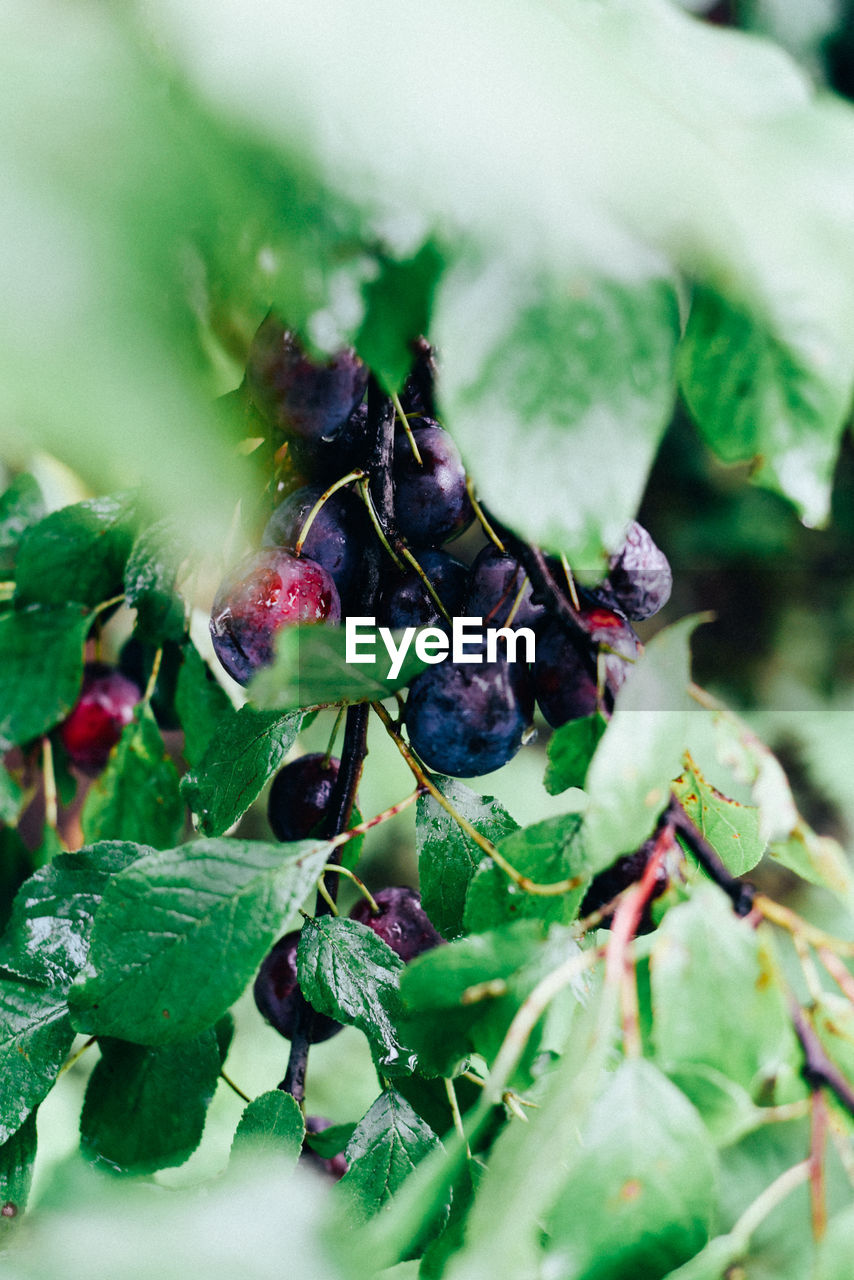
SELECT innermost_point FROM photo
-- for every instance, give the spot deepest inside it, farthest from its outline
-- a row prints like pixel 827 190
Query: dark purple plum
pixel 405 601
pixel 324 460
pixel 296 394
pixel 565 671
pixel 614 879
pixel 277 992
pixel 335 1166
pixel 94 725
pixel 467 719
pixel 401 921
pixel 336 539
pixel 267 591
pixel 431 502
pixel 300 795
pixel 639 578
pixel 496 580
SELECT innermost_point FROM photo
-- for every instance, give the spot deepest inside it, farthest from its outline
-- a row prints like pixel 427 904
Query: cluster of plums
pixel 463 719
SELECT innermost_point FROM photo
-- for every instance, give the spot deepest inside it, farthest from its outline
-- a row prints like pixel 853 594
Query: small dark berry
pixel 297 395
pixel 639 579
pixel 300 795
pixel 406 602
pixel 337 536
pixel 106 704
pixel 401 921
pixel 467 719
pixel 431 502
pixel 496 582
pixel 268 591
pixel 278 995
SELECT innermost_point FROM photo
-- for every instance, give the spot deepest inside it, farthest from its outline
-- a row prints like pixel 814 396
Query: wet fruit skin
pixel 94 726
pixel 467 719
pixel 431 503
pixel 495 583
pixel 565 673
pixel 278 995
pixel 300 795
pixel 269 590
pixel 297 395
pixel 406 602
pixel 336 539
pixel 639 578
pixel 401 921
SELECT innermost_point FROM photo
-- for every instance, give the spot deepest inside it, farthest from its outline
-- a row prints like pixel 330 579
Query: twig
pixel 741 895
pixel 818 1071
pixel 818 1143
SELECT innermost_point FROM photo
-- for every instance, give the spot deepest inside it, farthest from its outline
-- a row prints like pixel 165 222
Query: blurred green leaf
pixel 179 934
pixel 137 797
pixel 349 973
pixel 726 1107
pixel 33 641
pixel 834 1251
pixel 200 702
pixel 640 753
pixel 398 304
pixel 77 553
pixel 145 1108
pixel 641 1197
pixel 272 1123
pixel 244 750
pixel 570 750
pixel 704 959
pixel 329 1142
pixel 149 583
pixel 447 857
pixel 310 670
pixel 11 797
pixel 21 505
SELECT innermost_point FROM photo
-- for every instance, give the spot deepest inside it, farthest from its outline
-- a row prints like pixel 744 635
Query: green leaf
pixel 149 580
pixel 47 937
pixel 11 797
pixel 145 1108
pixel 35 1036
pixel 310 670
pixel 505 329
pixel 389 1141
pixel 398 304
pixel 727 1109
pixel 706 960
pixel 447 857
pixel 245 750
pixel 78 553
pixel 628 782
pixel 273 1124
pixel 330 1142
pixel 17 1157
pixel 570 750
pixel 33 641
pixel 179 934
pixel 640 1198
pixel 349 973
pixel 201 703
pixel 833 1261
pixel 21 506
pixel 731 828
pixel 546 852
pixel 137 798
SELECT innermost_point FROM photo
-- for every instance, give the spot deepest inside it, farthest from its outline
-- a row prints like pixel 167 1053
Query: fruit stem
pixel 236 1088
pixel 779 1190
pixel 152 679
pixel 817 1070
pixel 374 518
pixel 407 554
pixel 360 884
pixel 795 924
pixel 455 1113
pixel 356 474
pixel 481 516
pixel 69 1062
pixel 570 582
pixel 362 827
pixel 333 735
pixel 527 885
pixel 51 810
pixel 517 602
pixel 818 1146
pixel 398 408
pixel 327 897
